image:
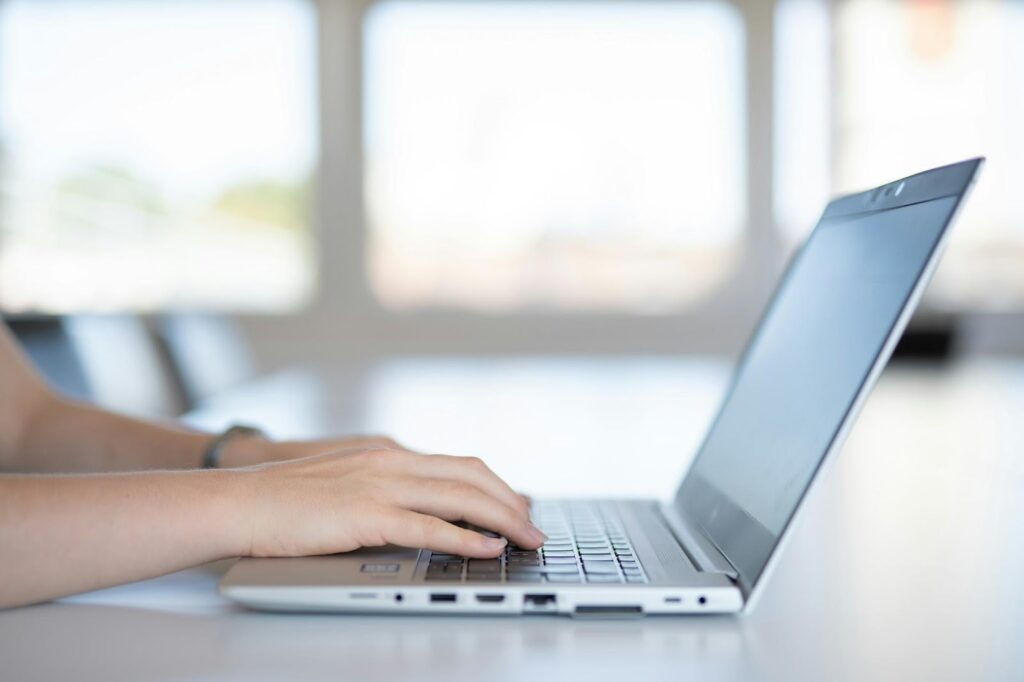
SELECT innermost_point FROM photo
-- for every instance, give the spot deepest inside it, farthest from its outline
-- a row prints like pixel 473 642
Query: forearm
pixel 65 534
pixel 66 436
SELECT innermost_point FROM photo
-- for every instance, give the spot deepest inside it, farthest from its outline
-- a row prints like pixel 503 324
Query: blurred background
pixel 206 190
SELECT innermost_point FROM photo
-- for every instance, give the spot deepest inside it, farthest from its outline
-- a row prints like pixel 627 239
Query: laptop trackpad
pixel 369 565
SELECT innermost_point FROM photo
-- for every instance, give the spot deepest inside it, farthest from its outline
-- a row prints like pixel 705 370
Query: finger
pixel 412 529
pixel 470 470
pixel 377 442
pixel 459 501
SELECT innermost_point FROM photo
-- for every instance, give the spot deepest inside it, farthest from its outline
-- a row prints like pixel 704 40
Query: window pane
pixel 156 154
pixel 576 155
pixel 802 144
pixel 930 82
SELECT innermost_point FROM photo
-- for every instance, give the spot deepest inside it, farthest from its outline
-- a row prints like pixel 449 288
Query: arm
pixel 62 534
pixel 65 534
pixel 43 432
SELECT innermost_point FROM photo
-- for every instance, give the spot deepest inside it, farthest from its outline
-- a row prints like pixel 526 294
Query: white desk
pixel 907 565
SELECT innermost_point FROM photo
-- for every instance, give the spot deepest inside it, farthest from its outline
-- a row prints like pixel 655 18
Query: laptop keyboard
pixel 587 543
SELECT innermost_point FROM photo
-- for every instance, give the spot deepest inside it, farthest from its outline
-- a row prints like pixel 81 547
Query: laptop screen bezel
pixel 711 511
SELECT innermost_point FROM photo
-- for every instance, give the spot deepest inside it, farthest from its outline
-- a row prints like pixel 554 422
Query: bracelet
pixel 211 456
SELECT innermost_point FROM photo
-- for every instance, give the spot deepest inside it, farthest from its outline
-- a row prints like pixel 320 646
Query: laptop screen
pixel 805 366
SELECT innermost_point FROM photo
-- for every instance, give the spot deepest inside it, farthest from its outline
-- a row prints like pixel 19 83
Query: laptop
pixel 818 349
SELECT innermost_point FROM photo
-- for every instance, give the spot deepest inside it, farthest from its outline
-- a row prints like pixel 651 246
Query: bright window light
pixel 926 83
pixel 156 154
pixel 802 97
pixel 564 156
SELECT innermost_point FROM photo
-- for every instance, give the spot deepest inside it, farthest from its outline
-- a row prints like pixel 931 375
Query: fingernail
pixel 497 543
pixel 537 534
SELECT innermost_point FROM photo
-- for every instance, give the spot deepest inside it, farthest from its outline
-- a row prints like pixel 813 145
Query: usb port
pixel 539 601
pixel 444 597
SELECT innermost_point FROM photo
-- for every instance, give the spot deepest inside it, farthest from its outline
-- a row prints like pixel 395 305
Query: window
pixel 927 82
pixel 156 154
pixel 802 143
pixel 568 156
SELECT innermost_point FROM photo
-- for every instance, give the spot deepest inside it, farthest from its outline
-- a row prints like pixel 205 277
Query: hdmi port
pixel 490 598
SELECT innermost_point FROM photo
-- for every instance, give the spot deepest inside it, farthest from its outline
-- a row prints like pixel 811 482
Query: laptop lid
pixel 819 347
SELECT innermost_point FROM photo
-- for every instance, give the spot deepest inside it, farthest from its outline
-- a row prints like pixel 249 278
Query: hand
pixel 373 496
pixel 246 451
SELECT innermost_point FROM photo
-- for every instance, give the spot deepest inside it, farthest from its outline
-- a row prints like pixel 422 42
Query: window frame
pixel 345 305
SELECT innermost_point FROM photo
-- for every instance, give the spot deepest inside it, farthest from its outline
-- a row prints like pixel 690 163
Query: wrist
pixel 246 450
pixel 235 507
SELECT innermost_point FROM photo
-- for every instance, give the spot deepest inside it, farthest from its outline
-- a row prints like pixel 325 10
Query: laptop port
pixel 539 602
pixel 490 598
pixel 442 598
pixel 611 611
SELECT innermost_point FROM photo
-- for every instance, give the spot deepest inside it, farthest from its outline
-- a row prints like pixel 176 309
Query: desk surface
pixel 906 564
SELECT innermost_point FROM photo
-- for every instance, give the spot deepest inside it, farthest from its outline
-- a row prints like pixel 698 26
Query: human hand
pixel 373 496
pixel 247 451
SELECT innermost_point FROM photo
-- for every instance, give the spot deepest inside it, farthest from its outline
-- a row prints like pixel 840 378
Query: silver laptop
pixel 817 351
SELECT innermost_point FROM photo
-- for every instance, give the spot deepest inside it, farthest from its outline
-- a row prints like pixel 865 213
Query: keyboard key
pixel 603 578
pixel 526 578
pixel 565 578
pixel 600 567
pixel 635 579
pixel 484 565
pixel 559 569
pixel 560 560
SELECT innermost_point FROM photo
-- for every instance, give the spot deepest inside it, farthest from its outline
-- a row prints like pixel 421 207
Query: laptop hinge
pixel 702 552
